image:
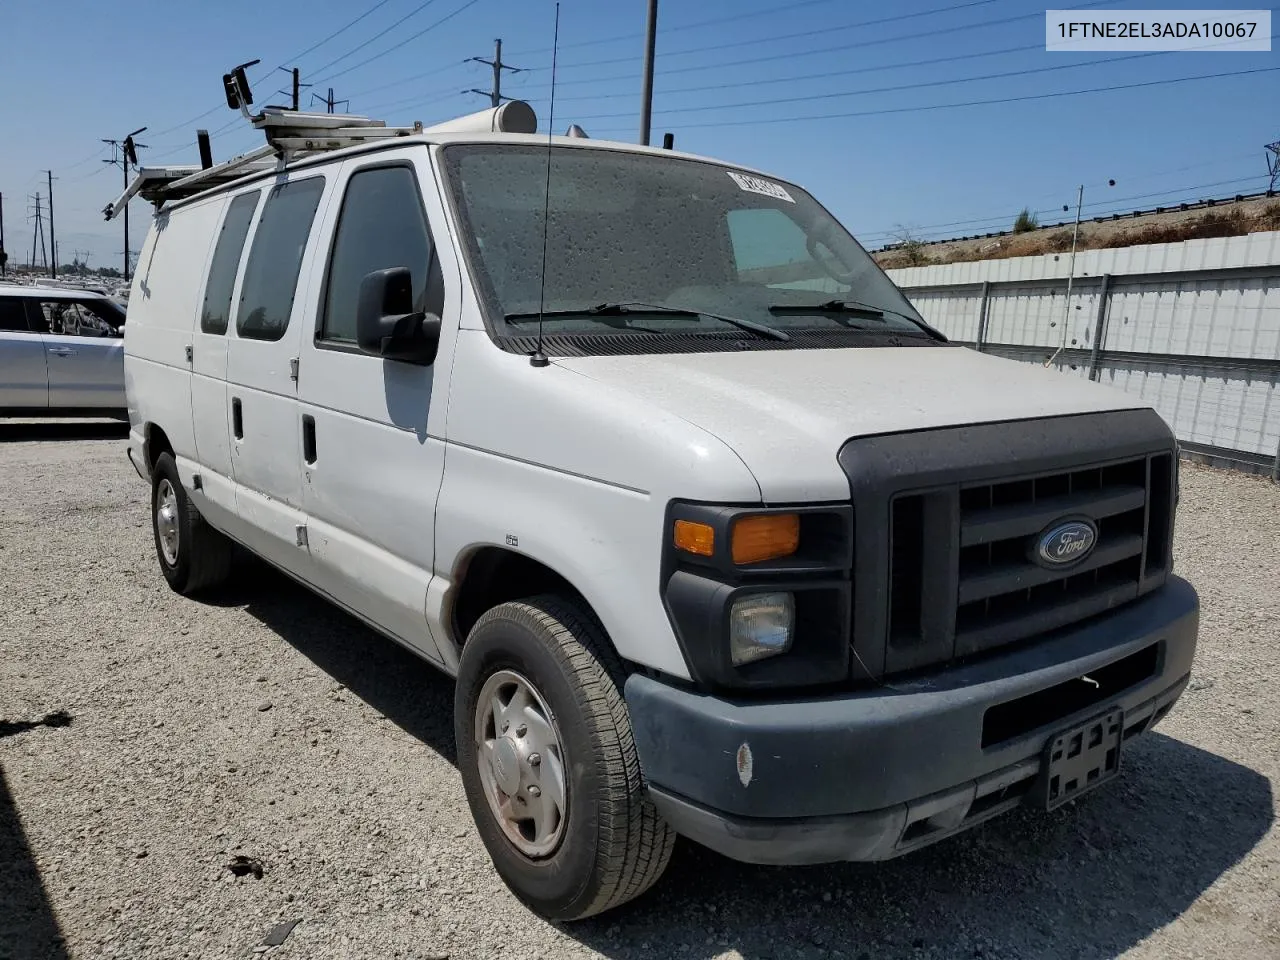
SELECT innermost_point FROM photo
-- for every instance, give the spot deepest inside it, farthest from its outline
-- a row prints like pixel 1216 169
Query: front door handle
pixel 309 439
pixel 62 351
pixel 237 419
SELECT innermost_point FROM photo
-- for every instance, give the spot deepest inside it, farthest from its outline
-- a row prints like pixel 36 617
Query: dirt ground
pixel 147 740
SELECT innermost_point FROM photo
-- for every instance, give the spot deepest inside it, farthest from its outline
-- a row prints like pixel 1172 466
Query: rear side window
pixel 13 316
pixel 382 224
pixel 271 275
pixel 226 259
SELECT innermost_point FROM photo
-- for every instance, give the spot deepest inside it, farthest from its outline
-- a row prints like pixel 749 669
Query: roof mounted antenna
pixel 538 358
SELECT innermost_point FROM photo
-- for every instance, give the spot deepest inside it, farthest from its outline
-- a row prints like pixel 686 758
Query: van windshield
pixel 659 244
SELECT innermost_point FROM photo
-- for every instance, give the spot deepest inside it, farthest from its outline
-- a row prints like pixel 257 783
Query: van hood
pixel 786 413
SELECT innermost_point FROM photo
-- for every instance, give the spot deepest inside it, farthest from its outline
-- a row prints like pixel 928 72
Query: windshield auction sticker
pixel 766 188
pixel 1204 31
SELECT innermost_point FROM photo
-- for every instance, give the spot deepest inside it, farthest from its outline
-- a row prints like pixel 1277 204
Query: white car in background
pixel 61 353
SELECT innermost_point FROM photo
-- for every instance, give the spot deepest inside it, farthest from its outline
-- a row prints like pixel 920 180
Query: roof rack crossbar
pixel 292 134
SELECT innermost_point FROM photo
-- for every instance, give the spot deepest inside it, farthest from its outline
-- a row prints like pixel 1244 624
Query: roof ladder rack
pixel 290 134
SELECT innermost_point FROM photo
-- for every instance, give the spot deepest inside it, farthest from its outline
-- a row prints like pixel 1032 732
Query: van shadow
pixel 27 430
pixel 1086 882
pixel 396 682
pixel 28 928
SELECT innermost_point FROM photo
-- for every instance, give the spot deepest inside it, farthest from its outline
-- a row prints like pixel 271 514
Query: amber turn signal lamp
pixel 765 537
pixel 691 537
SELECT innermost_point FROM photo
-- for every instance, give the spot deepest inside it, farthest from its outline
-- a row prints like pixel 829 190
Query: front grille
pixel 985 590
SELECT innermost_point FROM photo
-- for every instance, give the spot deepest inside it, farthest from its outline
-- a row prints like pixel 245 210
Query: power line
pixel 1072 65
pixel 210 112
pixel 328 101
pixel 377 36
pixel 315 46
pixel 825 74
pixel 969 103
pixel 880 41
pixel 421 100
pixel 409 39
pixel 494 95
pixel 80 163
pixel 1141 178
pixel 416 76
pixel 733 18
pixel 1114 205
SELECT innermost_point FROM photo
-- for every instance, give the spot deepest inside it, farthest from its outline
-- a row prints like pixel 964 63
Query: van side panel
pixel 164 304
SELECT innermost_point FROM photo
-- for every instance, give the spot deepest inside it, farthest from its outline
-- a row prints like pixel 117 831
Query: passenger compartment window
pixel 226 260
pixel 271 275
pixel 13 316
pixel 381 225
pixel 75 318
pixel 770 248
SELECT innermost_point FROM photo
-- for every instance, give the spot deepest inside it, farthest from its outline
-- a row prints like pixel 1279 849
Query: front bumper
pixel 876 773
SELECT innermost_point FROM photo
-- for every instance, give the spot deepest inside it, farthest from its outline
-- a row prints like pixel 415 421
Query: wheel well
pixel 492 576
pixel 156 444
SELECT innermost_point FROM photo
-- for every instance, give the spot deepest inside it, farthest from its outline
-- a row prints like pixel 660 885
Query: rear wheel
pixel 549 763
pixel 193 556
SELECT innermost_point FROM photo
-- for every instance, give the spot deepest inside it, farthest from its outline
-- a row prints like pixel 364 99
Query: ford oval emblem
pixel 1065 543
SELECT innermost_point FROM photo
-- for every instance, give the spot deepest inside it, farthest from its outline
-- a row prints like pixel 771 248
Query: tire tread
pixel 635 842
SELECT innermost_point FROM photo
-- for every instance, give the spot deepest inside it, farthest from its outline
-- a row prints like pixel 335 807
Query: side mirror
pixel 386 324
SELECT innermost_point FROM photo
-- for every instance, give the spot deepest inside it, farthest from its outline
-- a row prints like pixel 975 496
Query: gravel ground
pixel 148 740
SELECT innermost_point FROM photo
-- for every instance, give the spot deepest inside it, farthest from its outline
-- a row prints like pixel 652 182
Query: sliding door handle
pixel 309 439
pixel 237 419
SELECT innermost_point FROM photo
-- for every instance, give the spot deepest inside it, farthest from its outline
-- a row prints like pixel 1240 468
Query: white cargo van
pixel 717 535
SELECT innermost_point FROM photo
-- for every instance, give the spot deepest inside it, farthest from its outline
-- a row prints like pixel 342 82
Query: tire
pixel 612 845
pixel 193 556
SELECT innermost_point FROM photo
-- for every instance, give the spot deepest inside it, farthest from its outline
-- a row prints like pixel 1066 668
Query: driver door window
pixel 382 224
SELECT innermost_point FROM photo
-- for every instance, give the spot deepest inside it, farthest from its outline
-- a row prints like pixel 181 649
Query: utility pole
pixel 37 234
pixel 4 257
pixel 495 95
pixel 646 93
pixel 53 242
pixel 328 101
pixel 296 86
pixel 128 154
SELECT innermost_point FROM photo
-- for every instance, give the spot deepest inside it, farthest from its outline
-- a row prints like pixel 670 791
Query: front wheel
pixel 549 764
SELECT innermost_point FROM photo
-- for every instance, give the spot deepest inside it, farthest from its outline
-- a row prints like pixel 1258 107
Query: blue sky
pixel 75 71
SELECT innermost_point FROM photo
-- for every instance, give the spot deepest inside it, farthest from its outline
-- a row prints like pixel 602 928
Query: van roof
pixel 304 140
pixel 446 139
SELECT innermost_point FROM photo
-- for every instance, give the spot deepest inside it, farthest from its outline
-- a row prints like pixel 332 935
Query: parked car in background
pixel 61 353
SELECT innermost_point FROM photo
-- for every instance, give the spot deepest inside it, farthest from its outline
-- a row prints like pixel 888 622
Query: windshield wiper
pixel 830 306
pixel 622 308
pixel 855 308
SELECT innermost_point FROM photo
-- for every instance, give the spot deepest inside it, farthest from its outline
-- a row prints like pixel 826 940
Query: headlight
pixel 761 625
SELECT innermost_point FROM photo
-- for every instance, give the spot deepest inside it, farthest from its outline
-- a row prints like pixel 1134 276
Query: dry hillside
pixel 1221 219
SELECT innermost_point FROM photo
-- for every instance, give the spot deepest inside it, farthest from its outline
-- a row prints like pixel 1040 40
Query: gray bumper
pixel 873 774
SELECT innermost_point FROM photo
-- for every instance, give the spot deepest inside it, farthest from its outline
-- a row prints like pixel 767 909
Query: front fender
pixel 602 538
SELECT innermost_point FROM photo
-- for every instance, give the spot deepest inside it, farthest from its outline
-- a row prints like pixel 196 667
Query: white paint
pixel 573 464
pixel 766 188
